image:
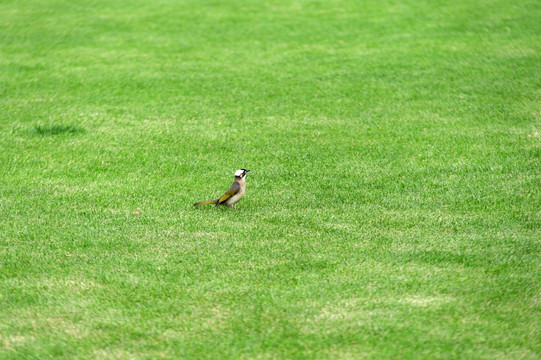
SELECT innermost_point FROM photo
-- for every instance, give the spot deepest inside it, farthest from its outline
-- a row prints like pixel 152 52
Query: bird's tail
pixel 206 202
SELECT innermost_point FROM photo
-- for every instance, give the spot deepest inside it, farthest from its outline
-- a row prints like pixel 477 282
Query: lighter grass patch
pixel 12 342
pixel 424 301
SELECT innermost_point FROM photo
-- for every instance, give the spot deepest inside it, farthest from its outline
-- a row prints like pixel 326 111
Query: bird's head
pixel 241 173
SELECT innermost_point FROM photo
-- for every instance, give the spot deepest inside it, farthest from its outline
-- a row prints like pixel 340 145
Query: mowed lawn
pixel 392 210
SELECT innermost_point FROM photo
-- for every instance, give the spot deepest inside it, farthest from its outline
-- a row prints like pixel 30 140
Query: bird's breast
pixel 233 199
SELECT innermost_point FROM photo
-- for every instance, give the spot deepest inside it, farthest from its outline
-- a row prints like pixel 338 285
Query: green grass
pixel 392 210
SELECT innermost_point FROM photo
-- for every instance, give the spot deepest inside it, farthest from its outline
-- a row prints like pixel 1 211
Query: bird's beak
pixel 246 170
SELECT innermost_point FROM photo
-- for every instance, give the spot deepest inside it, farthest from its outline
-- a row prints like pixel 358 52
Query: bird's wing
pixel 235 188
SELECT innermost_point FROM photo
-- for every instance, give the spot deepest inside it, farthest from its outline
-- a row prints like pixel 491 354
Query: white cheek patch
pixel 239 173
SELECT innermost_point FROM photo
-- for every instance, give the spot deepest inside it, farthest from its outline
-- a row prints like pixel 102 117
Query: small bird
pixel 233 195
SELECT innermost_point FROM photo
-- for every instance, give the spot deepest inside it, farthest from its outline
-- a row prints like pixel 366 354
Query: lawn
pixel 392 211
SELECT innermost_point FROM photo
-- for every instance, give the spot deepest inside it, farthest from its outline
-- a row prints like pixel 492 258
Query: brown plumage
pixel 233 194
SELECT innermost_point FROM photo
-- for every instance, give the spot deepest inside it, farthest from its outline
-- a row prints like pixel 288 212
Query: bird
pixel 233 195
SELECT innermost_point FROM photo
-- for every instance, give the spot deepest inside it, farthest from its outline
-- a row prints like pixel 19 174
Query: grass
pixel 392 210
